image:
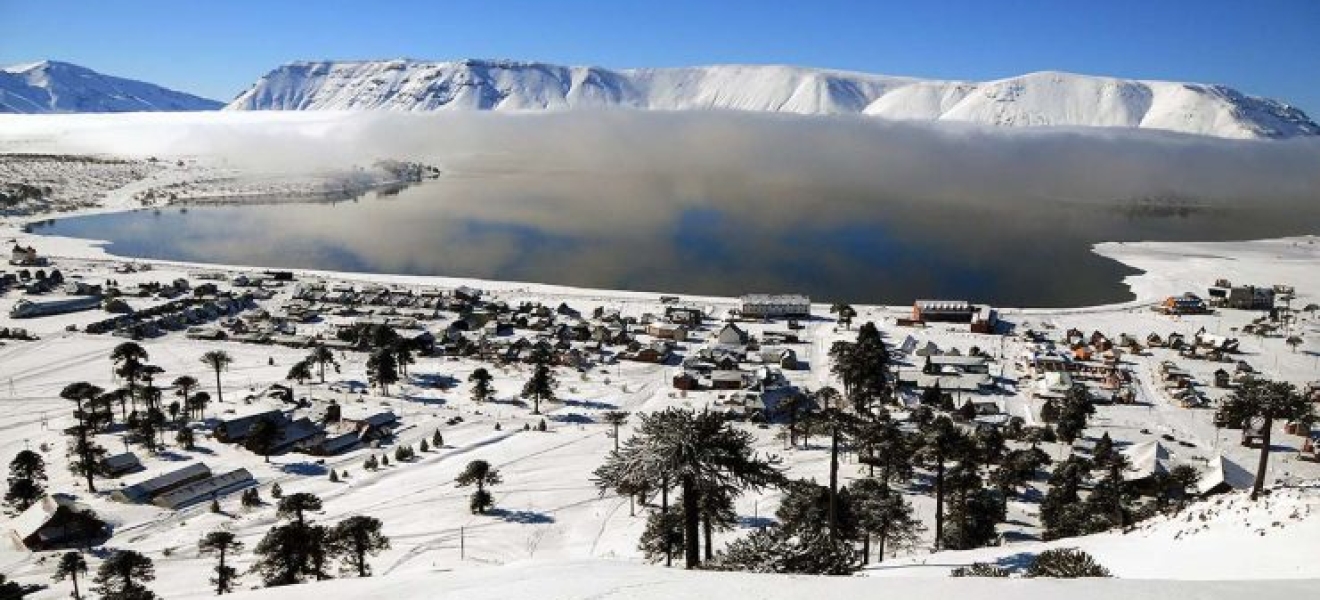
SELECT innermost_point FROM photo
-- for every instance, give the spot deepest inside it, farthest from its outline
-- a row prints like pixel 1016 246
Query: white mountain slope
pixel 1036 99
pixel 56 87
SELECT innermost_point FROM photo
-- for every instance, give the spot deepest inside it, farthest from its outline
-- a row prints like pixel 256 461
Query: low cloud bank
pixel 694 155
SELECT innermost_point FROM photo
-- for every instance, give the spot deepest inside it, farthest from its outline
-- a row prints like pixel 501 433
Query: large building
pixel 775 305
pixel 981 317
pixel 56 521
pixel 26 309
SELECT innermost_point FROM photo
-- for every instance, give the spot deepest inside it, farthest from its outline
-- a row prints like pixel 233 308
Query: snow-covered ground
pixel 554 535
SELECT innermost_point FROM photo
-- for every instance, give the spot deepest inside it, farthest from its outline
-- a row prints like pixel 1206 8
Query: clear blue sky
pixel 218 48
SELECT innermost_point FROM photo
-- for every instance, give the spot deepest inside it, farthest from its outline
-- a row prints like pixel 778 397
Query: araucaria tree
pixel 1257 404
pixel 85 454
pixel 1075 410
pixel 71 566
pixel 382 370
pixel 122 575
pixel 883 515
pixel 542 384
pixel 222 544
pixel 27 478
pixel 183 388
pixel 129 359
pixel 862 366
pixel 482 475
pixel 218 361
pixel 696 450
pixel 322 356
pixel 940 442
pixel 481 388
pixel 356 538
pixel 261 438
pixel 296 549
pixel 300 371
pixel 615 419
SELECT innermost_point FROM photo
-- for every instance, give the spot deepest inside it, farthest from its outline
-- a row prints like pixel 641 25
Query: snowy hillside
pixel 56 87
pixel 545 580
pixel 1035 99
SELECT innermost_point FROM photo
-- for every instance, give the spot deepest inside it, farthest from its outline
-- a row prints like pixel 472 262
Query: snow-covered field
pixel 554 535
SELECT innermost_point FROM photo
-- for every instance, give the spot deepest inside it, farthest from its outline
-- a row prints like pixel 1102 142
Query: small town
pixel 216 391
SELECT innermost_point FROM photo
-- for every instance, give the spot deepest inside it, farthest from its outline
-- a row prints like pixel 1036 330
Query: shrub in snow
pixel 774 550
pixel 1066 563
pixel 979 569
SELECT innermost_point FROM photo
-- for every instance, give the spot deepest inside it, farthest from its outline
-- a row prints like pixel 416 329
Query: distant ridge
pixel 58 87
pixel 1034 99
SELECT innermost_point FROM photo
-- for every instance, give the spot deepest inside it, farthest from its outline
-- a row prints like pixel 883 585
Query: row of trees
pixel 288 553
pixel 94 406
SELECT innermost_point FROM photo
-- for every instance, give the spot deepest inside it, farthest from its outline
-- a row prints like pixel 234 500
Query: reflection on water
pixel 665 234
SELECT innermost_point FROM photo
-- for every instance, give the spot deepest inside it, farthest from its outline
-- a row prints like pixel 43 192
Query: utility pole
pixel 462 548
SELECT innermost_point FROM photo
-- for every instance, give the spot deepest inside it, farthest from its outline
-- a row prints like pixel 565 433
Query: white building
pixel 775 305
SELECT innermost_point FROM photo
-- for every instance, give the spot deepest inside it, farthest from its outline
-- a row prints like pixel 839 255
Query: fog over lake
pixel 850 209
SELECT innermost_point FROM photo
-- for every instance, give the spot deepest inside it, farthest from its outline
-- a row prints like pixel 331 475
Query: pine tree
pixel 290 552
pixel 27 478
pixel 222 544
pixel 129 359
pixel 437 440
pixel 541 386
pixel 1074 413
pixel 185 438
pixel 403 350
pixel 941 442
pixel 481 388
pixel 296 550
pixel 805 508
pixel 663 536
pixel 322 356
pixel 383 370
pixel 296 506
pixel 422 446
pixel 1061 512
pixel 482 475
pixel 882 513
pixel 695 450
pixel 183 387
pixel 122 575
pixel 71 565
pixel 261 438
pixel 792 408
pixel 218 361
pixel 276 491
pixel 973 513
pixel 300 372
pixel 1259 402
pixel 615 419
pixel 354 539
pixel 86 454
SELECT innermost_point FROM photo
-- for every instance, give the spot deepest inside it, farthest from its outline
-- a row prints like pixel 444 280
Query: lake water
pixel 666 236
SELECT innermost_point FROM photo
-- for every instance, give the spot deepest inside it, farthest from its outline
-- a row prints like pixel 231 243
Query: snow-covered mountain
pixel 1035 99
pixel 57 87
